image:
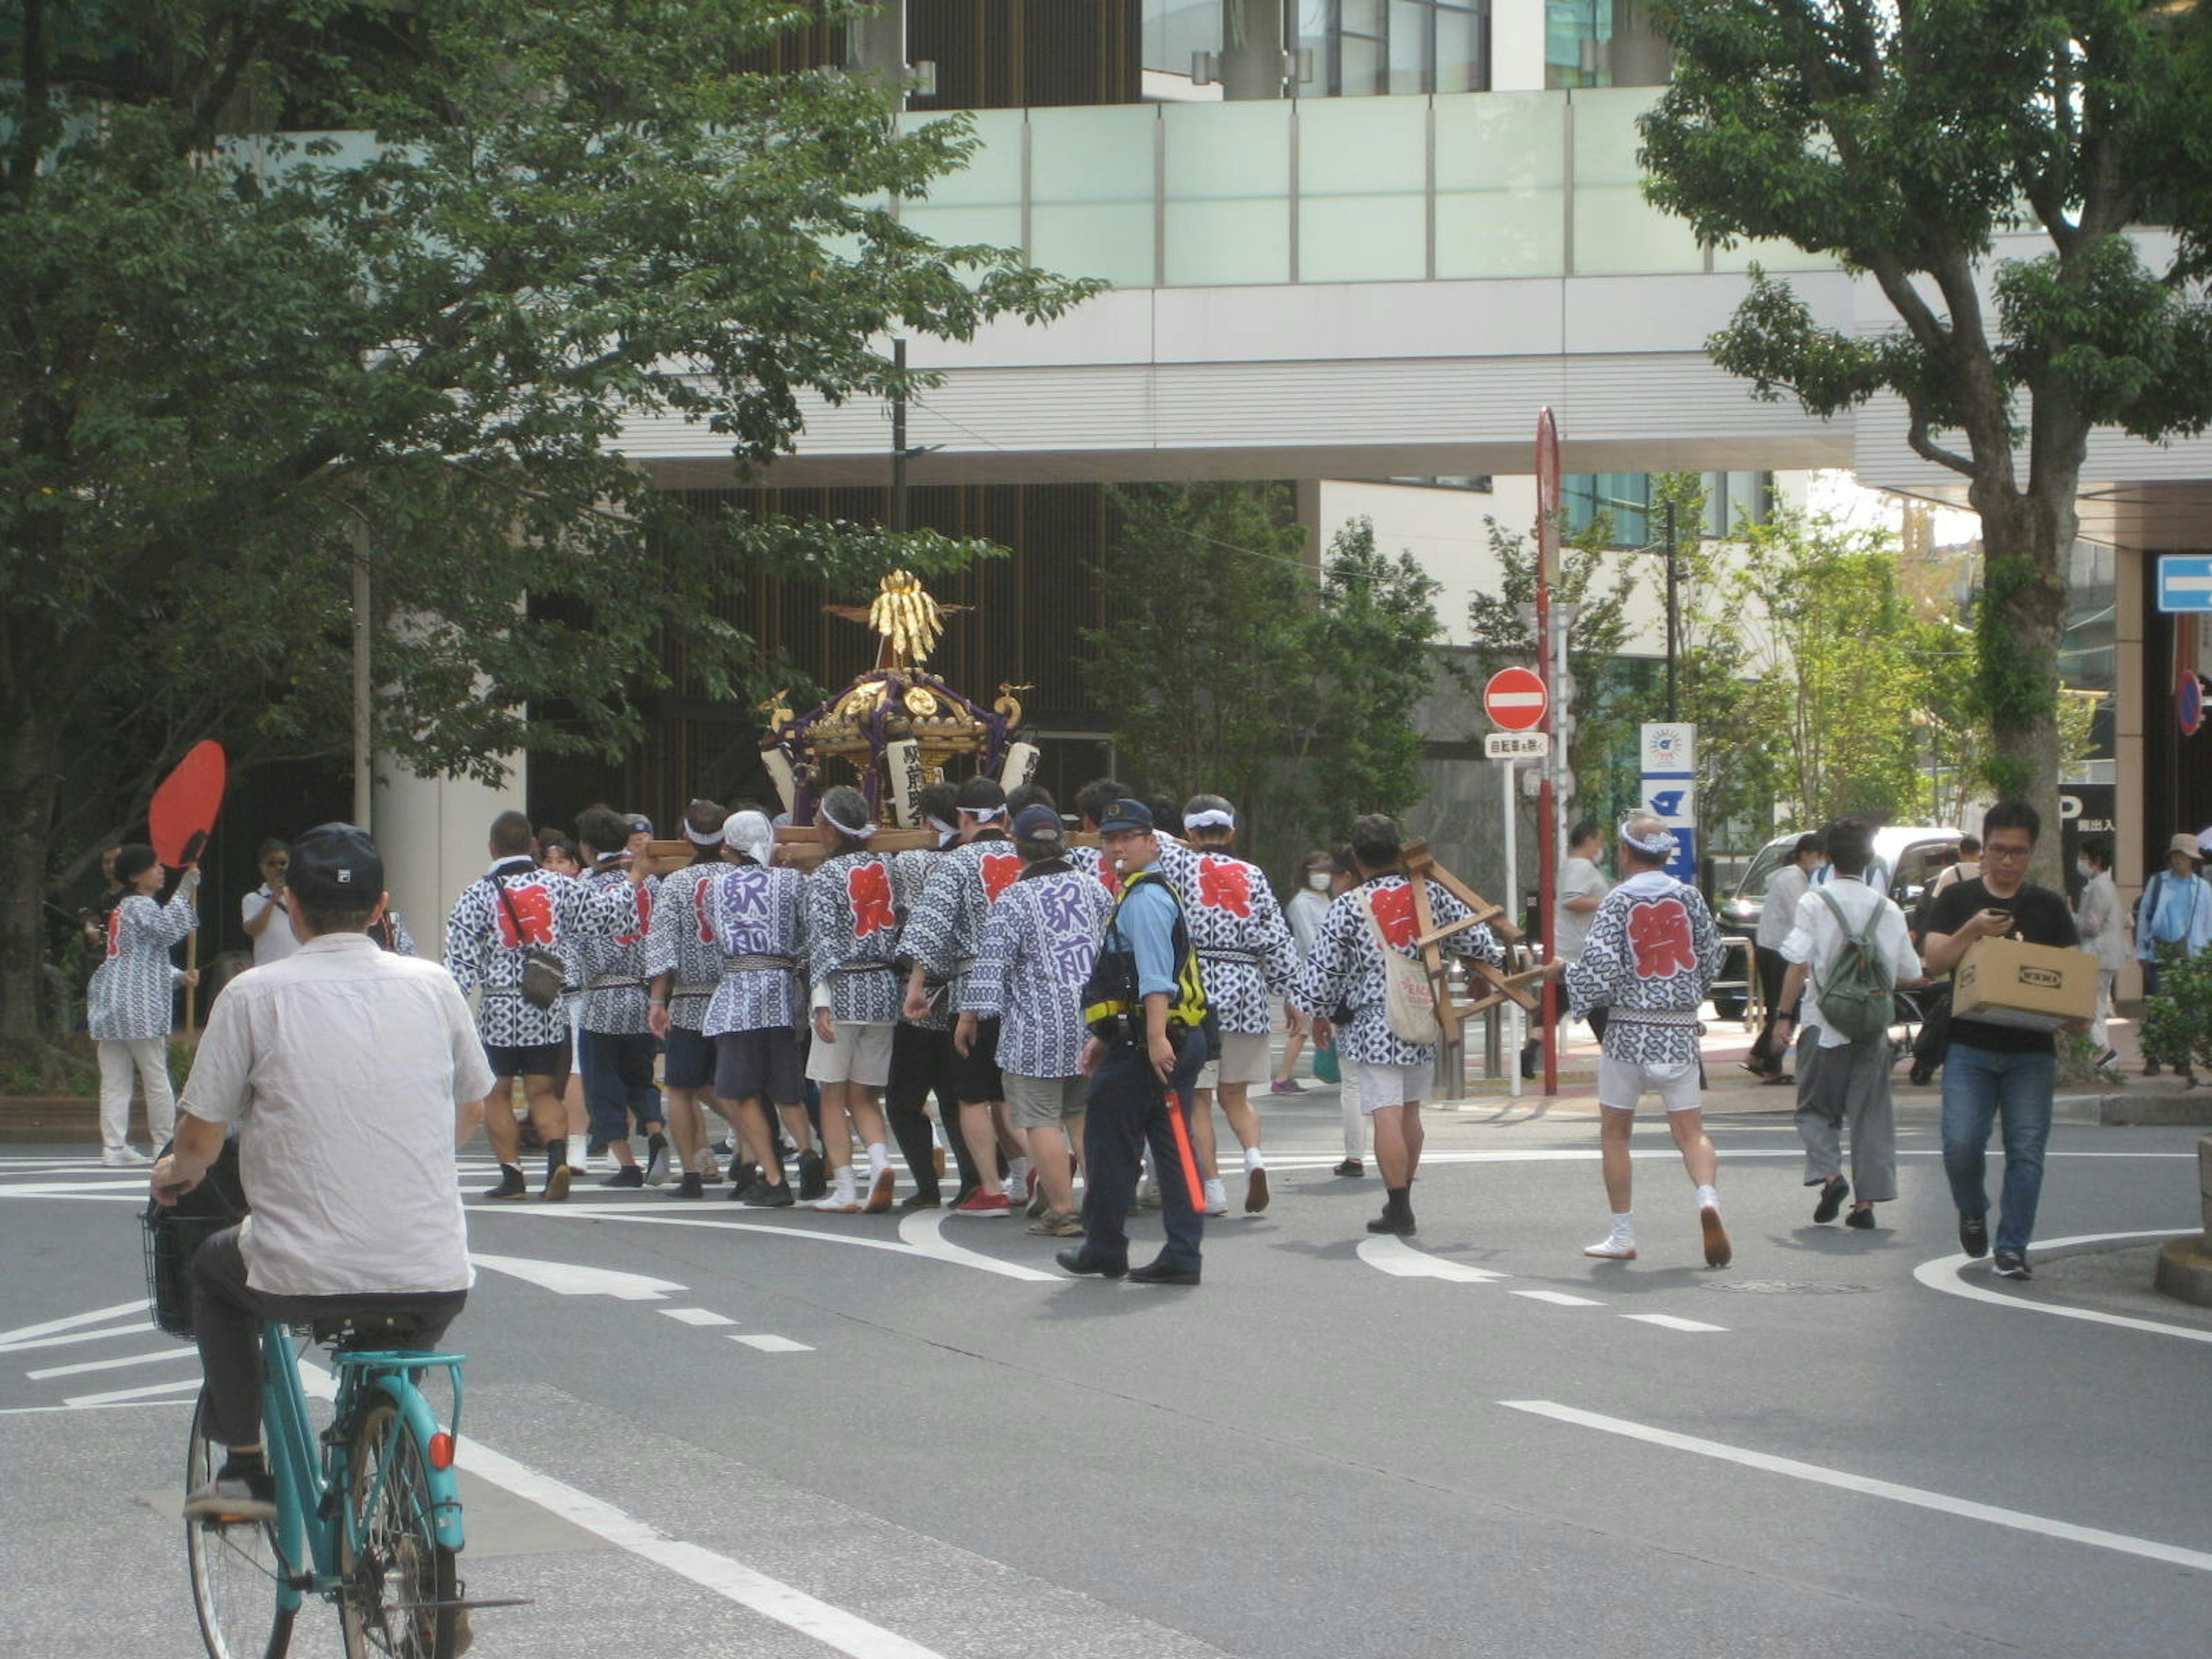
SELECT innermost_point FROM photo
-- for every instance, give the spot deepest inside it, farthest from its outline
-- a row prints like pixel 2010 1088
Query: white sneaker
pixel 1616 1247
pixel 124 1157
pixel 1216 1199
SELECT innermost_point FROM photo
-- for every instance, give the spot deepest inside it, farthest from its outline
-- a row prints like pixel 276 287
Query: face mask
pixel 1318 880
pixel 2081 866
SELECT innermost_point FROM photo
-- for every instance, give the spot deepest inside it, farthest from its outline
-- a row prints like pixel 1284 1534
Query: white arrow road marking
pixel 919 1230
pixel 695 1316
pixel 191 1384
pixel 1942 1274
pixel 773 1344
pixel 71 1322
pixel 82 1366
pixel 1560 1298
pixel 1942 1503
pixel 66 1338
pixel 1670 1323
pixel 1398 1258
pixel 567 1279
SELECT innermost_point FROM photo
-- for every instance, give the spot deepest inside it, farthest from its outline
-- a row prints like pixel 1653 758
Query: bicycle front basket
pixel 172 1234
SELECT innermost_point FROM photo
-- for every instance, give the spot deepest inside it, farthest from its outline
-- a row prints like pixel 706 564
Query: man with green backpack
pixel 1851 942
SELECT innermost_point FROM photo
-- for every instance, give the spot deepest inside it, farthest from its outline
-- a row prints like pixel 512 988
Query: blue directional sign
pixel 2184 582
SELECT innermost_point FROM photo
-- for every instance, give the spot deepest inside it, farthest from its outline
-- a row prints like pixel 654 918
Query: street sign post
pixel 1514 699
pixel 2184 583
pixel 1517 745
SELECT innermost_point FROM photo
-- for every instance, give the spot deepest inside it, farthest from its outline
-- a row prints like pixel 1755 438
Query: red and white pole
pixel 1551 655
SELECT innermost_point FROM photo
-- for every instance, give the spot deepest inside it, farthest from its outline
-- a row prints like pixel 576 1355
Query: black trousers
pixel 226 1315
pixel 1127 1111
pixel 922 1064
pixel 1772 966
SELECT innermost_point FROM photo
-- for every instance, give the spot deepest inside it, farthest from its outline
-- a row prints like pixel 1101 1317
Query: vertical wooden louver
pixel 1027 54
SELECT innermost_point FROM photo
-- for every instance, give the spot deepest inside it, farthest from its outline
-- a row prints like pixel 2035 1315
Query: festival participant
pixel 1245 949
pixel 557 854
pixel 757 916
pixel 131 1001
pixel 1144 1005
pixel 1091 804
pixel 1039 942
pixel 940 941
pixel 852 947
pixel 1651 954
pixel 1303 911
pixel 683 968
pixel 922 1060
pixel 516 907
pixel 264 910
pixel 1347 968
pixel 617 1040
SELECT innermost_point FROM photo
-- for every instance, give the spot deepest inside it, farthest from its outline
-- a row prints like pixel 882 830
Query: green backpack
pixel 1857 994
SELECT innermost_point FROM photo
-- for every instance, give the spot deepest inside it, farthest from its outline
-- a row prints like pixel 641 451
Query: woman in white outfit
pixel 2104 929
pixel 130 1003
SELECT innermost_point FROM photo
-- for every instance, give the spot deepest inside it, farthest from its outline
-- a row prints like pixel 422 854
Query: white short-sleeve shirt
pixel 277 941
pixel 341 1067
pixel 1817 936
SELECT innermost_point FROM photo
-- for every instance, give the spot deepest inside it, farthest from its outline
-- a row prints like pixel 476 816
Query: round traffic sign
pixel 1514 699
pixel 2189 702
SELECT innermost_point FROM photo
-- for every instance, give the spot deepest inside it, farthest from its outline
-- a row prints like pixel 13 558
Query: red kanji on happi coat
pixel 1223 884
pixel 999 871
pixel 1394 913
pixel 534 907
pixel 869 888
pixel 1659 933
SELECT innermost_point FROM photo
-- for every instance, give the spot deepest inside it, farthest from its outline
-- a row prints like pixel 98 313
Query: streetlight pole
pixel 1673 614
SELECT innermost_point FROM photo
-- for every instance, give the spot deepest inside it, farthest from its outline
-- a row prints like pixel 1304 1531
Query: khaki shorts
pixel 861 1053
pixel 1043 1103
pixel 1622 1083
pixel 1382 1087
pixel 1243 1060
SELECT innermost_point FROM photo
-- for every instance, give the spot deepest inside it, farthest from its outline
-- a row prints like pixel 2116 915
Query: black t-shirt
pixel 2039 916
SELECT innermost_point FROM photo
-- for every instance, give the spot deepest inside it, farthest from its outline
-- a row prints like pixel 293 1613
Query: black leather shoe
pixel 1079 1261
pixel 1162 1272
pixel 1833 1192
pixel 1388 1222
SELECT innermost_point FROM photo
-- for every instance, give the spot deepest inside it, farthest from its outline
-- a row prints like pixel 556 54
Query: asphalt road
pixel 748 1433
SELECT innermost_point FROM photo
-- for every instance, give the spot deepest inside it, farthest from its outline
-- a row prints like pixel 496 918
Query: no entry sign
pixel 1514 699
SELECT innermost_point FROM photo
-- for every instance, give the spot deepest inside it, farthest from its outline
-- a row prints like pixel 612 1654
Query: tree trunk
pixel 2028 539
pixel 27 768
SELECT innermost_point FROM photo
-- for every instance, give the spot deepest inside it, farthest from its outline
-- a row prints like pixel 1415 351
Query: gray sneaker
pixel 244 1498
pixel 656 1162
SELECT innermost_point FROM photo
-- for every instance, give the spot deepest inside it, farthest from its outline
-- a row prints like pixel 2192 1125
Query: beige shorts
pixel 861 1053
pixel 1384 1087
pixel 1622 1083
pixel 1243 1060
pixel 1043 1103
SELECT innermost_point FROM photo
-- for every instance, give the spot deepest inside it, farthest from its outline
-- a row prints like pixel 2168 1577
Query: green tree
pixel 1904 140
pixel 224 346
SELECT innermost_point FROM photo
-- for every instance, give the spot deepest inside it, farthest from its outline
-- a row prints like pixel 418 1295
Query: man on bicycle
pixel 348 1072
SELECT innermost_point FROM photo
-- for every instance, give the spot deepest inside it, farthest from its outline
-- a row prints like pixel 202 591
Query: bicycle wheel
pixel 397 1592
pixel 233 1569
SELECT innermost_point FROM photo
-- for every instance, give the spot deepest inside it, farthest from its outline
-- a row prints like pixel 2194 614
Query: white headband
pixel 860 833
pixel 943 827
pixel 751 833
pixel 703 838
pixel 1658 847
pixel 982 814
pixel 1212 818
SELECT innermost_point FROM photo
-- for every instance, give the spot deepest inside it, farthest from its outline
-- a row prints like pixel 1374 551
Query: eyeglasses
pixel 275 864
pixel 1993 851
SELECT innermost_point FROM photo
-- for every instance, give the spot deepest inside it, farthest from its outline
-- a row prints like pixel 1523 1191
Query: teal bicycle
pixel 368 1512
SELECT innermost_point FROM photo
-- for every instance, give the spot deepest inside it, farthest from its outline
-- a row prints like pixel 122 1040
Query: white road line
pixel 936 1250
pixel 191 1384
pixel 113 1406
pixel 1560 1298
pixel 1400 1259
pixel 1668 1323
pixel 695 1317
pixel 153 1358
pixel 919 1232
pixel 773 1344
pixel 1942 1274
pixel 734 1581
pixel 64 1340
pixel 71 1322
pixel 570 1279
pixel 2150 1549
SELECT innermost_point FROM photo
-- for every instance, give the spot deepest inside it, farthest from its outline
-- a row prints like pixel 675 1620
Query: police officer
pixel 1145 1006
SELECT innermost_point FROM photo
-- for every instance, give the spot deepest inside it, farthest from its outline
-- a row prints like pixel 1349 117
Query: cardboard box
pixel 2039 987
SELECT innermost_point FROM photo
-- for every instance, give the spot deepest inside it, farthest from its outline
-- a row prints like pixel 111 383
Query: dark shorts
pixel 975 1074
pixel 761 1064
pixel 687 1059
pixel 541 1059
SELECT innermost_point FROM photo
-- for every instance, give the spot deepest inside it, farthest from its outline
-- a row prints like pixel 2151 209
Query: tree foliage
pixel 224 345
pixel 1907 140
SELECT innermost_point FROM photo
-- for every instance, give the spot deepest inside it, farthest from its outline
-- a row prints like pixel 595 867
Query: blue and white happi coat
pixel 1093 862
pixel 910 871
pixel 485 953
pixel 944 932
pixel 852 938
pixel 132 995
pixel 679 941
pixel 1652 954
pixel 1245 946
pixel 1346 968
pixel 613 966
pixel 1040 942
pixel 758 915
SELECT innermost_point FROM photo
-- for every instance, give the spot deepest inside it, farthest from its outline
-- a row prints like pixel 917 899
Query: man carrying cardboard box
pixel 1993 1072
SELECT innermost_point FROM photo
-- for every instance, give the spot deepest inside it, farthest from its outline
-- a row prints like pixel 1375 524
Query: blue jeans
pixel 1981 1087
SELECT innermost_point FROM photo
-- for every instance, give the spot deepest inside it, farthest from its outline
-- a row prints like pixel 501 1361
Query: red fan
pixel 184 808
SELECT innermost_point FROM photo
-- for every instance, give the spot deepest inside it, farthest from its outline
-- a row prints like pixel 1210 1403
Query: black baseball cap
pixel 336 866
pixel 1125 815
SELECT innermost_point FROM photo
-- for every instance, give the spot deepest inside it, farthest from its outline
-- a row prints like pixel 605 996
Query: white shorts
pixel 1243 1060
pixel 861 1053
pixel 1622 1083
pixel 1383 1086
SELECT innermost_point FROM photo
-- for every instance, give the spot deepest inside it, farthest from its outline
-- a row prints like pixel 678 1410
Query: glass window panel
pixel 993 173
pixel 1000 226
pixel 1222 151
pixel 1362 62
pixel 1362 238
pixel 1501 233
pixel 1606 139
pixel 1353 148
pixel 1501 141
pixel 1361 17
pixel 1228 240
pixel 1459 50
pixel 1174 29
pixel 1409 46
pixel 1774 256
pixel 1617 233
pixel 1093 239
pixel 1092 154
